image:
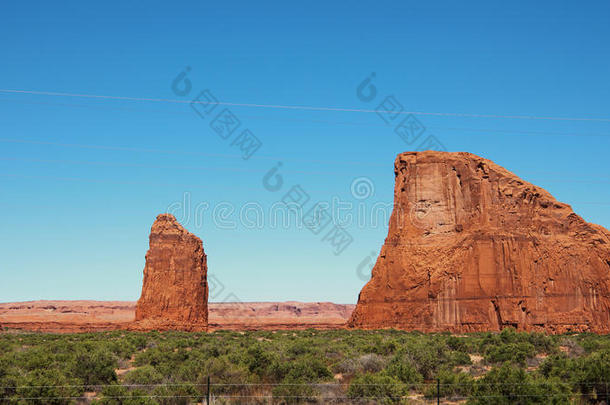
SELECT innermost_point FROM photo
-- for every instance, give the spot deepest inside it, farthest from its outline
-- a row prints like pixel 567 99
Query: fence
pixel 210 393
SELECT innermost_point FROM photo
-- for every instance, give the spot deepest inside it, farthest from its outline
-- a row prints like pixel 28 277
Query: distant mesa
pixel 175 288
pixel 472 247
pixel 95 316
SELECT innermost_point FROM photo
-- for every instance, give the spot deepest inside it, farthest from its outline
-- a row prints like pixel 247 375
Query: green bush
pixel 306 368
pixel 560 366
pixel 588 375
pixel 37 358
pixel 426 356
pixel 119 395
pixel 543 343
pixel 182 394
pixel 94 367
pixel 299 348
pixel 4 367
pixel 459 344
pixel 139 341
pixel 378 387
pixel 540 342
pixel 513 385
pixel 46 387
pixel 258 360
pixel 228 377
pixel 294 390
pixel 451 385
pixel 145 376
pixel 593 343
pixel 592 376
pixel 8 387
pixel 404 371
pixel 5 346
pixel 458 358
pixel 515 352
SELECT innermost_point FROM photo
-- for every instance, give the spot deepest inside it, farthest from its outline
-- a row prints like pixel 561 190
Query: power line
pixel 203 154
pixel 223 168
pixel 217 168
pixel 315 121
pixel 137 165
pixel 186 187
pixel 304 108
pixel 174 152
pixel 124 182
pixel 193 186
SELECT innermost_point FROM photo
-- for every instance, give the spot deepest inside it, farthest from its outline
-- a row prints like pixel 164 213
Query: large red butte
pixel 472 247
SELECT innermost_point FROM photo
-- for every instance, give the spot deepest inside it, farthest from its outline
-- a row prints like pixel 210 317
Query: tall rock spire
pixel 175 289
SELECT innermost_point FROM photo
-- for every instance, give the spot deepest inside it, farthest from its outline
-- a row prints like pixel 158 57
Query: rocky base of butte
pixel 472 247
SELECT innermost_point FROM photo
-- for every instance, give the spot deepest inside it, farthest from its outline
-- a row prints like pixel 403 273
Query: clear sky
pixel 82 179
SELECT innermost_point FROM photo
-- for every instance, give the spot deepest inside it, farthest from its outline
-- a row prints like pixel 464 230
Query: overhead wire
pixel 303 107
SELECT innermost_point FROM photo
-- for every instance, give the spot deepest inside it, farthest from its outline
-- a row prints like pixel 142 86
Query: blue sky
pixel 81 179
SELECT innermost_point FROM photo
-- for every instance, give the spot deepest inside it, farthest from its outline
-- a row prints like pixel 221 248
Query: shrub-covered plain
pixel 310 366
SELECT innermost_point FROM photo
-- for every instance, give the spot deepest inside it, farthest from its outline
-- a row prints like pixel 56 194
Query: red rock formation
pixel 472 247
pixel 175 289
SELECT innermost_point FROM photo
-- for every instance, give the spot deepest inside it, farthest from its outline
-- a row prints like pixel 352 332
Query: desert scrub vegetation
pixel 308 366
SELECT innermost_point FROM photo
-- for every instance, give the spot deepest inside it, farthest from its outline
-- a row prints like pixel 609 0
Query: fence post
pixel 207 398
pixel 438 391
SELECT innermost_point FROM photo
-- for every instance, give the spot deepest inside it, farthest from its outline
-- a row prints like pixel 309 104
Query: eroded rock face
pixel 472 247
pixel 175 289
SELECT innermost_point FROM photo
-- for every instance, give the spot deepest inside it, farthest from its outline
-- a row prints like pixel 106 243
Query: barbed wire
pixel 327 384
pixel 570 394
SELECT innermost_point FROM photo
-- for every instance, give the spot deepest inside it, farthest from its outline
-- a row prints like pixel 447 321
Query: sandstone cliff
pixel 472 247
pixel 175 289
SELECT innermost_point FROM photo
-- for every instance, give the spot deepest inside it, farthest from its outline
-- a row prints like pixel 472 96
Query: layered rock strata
pixel 472 247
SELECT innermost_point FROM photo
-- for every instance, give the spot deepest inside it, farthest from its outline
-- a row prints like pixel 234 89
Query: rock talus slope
pixel 472 247
pixel 175 289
